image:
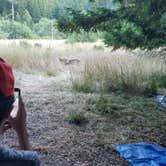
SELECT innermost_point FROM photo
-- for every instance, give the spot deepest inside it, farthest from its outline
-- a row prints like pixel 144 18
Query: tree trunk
pixel 12 11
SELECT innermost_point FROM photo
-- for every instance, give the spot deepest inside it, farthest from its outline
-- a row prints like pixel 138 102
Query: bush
pixel 3 35
pixel 85 86
pixel 15 30
pixel 159 79
pixel 77 118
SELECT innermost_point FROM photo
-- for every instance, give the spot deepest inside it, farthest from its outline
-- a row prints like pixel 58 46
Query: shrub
pixel 45 27
pixel 3 35
pixel 15 30
pixel 86 86
pixel 159 79
pixel 77 118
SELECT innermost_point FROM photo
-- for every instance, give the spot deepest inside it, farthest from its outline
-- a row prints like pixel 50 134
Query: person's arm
pixel 23 139
pixel 18 123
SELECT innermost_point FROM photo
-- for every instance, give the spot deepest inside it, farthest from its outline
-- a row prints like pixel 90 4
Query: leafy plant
pixel 15 30
pixel 131 25
pixel 77 118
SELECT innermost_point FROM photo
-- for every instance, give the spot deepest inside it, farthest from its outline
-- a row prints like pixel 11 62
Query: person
pixel 9 156
pixel 18 123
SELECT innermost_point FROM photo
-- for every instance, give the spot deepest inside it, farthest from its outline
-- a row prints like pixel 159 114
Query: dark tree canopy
pixel 133 24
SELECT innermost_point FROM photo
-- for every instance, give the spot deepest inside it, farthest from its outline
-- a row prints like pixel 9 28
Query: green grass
pixel 77 118
pixel 129 110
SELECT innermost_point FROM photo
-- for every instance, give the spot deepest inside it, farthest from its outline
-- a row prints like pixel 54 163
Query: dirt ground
pixel 48 101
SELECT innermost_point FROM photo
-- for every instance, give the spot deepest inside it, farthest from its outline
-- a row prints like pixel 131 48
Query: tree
pixel 5 8
pixel 38 9
pixel 44 27
pixel 134 23
pixel 13 2
pixel 15 30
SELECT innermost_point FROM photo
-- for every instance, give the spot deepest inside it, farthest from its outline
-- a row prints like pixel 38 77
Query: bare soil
pixel 48 101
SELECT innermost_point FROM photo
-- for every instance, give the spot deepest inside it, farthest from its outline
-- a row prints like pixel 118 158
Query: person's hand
pixel 18 123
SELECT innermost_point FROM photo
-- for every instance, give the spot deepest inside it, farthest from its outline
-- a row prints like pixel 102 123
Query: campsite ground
pixel 50 99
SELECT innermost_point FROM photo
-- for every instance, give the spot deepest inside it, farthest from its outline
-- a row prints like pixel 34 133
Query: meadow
pixel 84 98
pixel 101 69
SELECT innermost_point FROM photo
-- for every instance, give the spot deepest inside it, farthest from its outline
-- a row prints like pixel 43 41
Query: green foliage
pixel 38 9
pixel 159 79
pixel 123 34
pixel 26 18
pixel 133 24
pixel 77 118
pixel 83 86
pixel 130 23
pixel 44 27
pixel 15 30
pixel 84 36
pixel 146 17
pixel 129 110
pixel 86 19
pixel 61 12
pixel 3 35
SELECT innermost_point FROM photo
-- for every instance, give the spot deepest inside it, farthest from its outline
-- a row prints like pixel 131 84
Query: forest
pixel 120 23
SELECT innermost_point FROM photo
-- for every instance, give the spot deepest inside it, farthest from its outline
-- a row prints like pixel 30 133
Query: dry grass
pixel 30 59
pixel 40 55
pixel 102 69
pixel 121 70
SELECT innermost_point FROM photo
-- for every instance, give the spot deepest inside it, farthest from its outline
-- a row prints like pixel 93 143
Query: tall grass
pixel 102 70
pixel 30 58
pixel 42 55
pixel 120 70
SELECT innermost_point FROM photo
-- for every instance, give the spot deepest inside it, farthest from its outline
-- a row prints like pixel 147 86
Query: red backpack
pixel 6 79
pixel 6 88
